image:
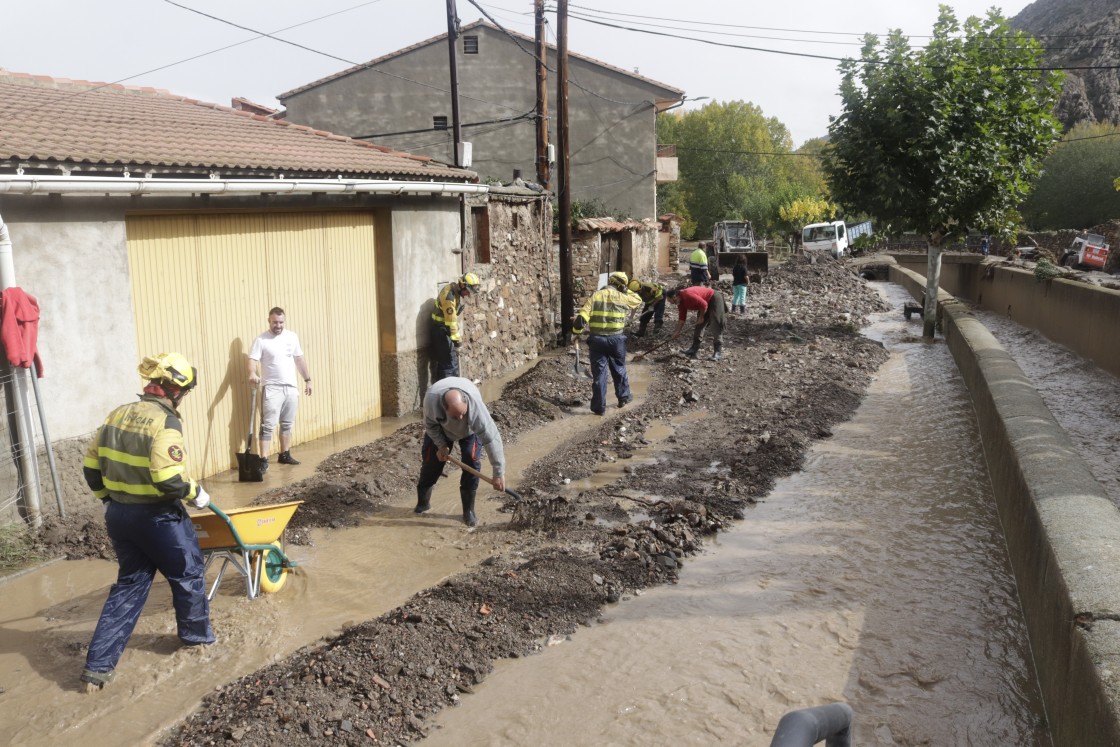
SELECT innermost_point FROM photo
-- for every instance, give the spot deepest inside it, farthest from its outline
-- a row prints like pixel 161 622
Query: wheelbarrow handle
pixel 469 469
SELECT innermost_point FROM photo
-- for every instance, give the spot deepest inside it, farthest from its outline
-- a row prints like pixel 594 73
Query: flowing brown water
pixel 876 576
pixel 349 575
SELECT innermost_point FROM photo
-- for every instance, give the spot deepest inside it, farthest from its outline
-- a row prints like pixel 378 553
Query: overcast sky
pixel 129 39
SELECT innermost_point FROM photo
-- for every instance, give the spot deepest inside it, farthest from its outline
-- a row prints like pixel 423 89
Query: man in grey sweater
pixel 454 411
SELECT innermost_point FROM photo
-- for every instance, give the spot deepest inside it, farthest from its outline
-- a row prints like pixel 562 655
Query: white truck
pixel 834 237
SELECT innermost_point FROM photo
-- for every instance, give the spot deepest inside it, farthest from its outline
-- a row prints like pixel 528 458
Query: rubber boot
pixel 717 355
pixel 423 500
pixel 692 351
pixel 467 499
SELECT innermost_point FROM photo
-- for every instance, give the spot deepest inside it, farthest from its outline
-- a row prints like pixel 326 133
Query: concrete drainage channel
pixel 1062 532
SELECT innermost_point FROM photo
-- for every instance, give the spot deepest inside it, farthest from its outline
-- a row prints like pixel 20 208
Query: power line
pixel 516 41
pixel 363 65
pixel 858 43
pixel 9 114
pixel 826 57
pixel 526 115
pixel 722 24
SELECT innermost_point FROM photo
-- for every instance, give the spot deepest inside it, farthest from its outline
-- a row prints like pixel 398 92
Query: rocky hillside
pixel 1080 33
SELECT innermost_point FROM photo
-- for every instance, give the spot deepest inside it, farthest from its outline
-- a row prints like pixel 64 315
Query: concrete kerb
pixel 1061 528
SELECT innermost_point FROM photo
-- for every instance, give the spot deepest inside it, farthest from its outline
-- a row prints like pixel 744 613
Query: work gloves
pixel 202 499
pixel 577 326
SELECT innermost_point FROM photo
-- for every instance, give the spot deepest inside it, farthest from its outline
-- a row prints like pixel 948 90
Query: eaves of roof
pixel 54 122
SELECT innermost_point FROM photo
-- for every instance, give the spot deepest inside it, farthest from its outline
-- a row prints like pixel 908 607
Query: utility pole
pixel 456 125
pixel 544 171
pixel 567 307
pixel 452 39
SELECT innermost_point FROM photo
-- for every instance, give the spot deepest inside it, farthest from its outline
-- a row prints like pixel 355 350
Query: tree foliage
pixel 947 138
pixel 943 139
pixel 1075 189
pixel 804 210
pixel 727 170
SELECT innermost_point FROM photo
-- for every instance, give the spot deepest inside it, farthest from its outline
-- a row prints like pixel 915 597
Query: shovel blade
pixel 249 467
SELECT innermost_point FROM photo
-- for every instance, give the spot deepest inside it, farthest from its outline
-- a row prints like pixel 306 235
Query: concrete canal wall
pixel 1081 316
pixel 1062 531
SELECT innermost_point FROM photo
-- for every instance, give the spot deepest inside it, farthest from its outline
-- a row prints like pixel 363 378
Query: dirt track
pixel 790 372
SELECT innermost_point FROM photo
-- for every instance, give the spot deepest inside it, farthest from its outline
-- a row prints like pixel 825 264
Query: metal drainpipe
pixel 19 410
pixel 808 726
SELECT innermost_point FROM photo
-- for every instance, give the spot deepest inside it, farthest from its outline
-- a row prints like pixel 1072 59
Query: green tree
pixel 804 210
pixel 1075 188
pixel 727 170
pixel 945 138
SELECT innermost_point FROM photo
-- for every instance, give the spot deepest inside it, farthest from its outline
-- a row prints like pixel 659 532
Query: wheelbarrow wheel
pixel 272 570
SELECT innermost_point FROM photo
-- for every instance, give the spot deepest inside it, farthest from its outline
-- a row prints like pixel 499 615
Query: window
pixel 480 222
pixel 470 45
pixel 439 122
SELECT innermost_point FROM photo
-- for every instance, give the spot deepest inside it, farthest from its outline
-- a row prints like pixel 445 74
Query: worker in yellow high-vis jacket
pixel 604 316
pixel 445 335
pixel 136 464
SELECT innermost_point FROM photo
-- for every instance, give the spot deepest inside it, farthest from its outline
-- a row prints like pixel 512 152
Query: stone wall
pixel 514 318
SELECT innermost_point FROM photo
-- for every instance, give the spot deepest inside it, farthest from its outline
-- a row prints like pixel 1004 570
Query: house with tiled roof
pixel 146 222
pixel 402 100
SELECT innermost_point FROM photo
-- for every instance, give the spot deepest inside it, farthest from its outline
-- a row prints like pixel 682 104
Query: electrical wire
pixel 722 24
pixel 545 63
pixel 362 65
pixel 526 115
pixel 8 115
pixel 888 63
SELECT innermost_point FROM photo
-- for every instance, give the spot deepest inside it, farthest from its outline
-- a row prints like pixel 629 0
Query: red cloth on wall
pixel 19 328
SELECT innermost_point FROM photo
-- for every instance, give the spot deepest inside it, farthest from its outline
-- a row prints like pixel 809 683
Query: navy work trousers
pixel 431 467
pixel 656 312
pixel 150 538
pixel 607 351
pixel 442 353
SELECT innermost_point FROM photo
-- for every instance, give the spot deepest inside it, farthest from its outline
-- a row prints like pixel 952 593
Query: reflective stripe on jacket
pixel 651 293
pixel 138 455
pixel 449 305
pixel 698 260
pixel 605 312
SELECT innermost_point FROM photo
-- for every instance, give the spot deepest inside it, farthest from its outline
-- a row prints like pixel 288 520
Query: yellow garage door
pixel 202 285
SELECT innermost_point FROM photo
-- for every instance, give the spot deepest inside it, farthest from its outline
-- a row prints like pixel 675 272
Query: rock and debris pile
pixel 791 370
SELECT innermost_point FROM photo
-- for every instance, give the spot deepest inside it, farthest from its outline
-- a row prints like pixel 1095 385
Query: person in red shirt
pixel 711 311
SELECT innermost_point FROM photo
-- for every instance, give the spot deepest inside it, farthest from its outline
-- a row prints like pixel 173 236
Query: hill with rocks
pixel 1080 34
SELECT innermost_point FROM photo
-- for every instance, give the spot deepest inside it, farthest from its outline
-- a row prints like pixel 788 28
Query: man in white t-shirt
pixel 273 359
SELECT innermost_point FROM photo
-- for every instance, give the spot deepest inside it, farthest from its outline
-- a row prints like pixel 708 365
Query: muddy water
pixel 48 615
pixel 1084 399
pixel 877 576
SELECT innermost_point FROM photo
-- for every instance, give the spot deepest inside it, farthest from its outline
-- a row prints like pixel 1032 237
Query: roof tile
pixel 79 122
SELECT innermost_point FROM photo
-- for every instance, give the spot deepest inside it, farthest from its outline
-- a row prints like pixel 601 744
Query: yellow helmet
pixel 618 280
pixel 170 368
pixel 635 285
pixel 470 280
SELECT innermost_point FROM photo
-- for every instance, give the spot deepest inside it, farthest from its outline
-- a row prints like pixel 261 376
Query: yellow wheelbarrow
pixel 249 539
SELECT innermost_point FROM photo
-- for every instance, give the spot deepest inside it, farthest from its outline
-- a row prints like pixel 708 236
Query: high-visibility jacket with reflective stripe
pixel 449 305
pixel 698 260
pixel 651 293
pixel 605 312
pixel 138 456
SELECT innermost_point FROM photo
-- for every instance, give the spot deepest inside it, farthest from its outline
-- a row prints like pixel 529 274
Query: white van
pixel 825 237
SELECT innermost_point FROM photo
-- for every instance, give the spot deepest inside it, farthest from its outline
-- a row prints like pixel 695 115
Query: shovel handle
pixel 642 355
pixel 470 469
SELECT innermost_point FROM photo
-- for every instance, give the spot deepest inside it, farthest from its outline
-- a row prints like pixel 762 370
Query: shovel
pixel 476 473
pixel 642 355
pixel 249 464
pixel 579 369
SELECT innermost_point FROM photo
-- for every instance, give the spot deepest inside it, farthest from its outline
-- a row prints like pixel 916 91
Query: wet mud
pixel 612 506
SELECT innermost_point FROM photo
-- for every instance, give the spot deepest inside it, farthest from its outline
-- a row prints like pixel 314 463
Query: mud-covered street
pixel 612 505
